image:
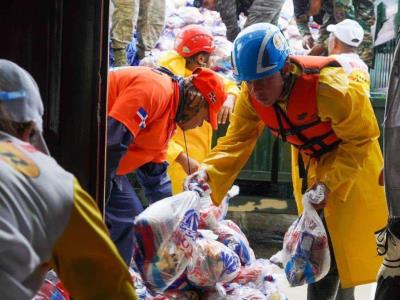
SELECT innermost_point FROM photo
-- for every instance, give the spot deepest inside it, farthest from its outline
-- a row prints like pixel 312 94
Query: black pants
pixel 388 288
pixel 328 288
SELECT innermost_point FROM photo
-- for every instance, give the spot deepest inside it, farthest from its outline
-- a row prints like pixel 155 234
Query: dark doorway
pixel 64 45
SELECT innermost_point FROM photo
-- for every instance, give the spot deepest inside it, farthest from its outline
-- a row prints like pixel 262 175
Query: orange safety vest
pixel 300 125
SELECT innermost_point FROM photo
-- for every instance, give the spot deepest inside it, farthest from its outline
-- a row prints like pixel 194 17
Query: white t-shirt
pixel 350 62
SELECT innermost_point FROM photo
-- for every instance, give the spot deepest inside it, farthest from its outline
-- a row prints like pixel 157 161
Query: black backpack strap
pixel 169 73
pixel 275 160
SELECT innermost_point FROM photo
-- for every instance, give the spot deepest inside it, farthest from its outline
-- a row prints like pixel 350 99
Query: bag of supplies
pixel 165 239
pixel 213 264
pixel 305 254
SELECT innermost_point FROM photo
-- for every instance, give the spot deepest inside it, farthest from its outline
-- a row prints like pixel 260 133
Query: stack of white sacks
pixel 180 13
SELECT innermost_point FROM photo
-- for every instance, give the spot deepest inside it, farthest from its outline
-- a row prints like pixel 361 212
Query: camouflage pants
pixel 122 23
pixel 360 10
pixel 148 17
pixel 264 11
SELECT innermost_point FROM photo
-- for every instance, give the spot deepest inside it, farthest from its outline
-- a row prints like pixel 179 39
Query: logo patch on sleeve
pixel 18 160
pixel 141 117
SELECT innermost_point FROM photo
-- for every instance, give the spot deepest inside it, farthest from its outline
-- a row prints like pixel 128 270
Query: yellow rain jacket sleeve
pixel 230 155
pixel 199 139
pixel 86 259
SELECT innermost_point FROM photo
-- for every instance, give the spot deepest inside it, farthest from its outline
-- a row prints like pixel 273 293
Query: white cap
pixel 348 31
pixel 20 96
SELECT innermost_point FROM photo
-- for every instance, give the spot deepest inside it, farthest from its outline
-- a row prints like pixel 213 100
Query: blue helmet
pixel 260 50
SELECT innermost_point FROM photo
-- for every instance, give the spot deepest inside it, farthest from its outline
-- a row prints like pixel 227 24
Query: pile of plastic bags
pixel 186 250
pixel 180 13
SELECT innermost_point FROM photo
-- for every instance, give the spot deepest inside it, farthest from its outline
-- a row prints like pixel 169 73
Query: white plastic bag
pixel 140 288
pixel 165 239
pixel 213 264
pixel 246 293
pixel 235 240
pixel 210 214
pixel 305 254
pixel 261 275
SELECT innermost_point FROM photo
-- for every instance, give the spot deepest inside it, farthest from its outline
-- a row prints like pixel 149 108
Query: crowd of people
pixel 318 103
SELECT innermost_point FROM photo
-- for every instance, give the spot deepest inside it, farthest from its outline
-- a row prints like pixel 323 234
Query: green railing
pixel 384 55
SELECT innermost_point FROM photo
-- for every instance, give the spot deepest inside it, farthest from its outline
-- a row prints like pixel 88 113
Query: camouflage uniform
pixel 148 15
pixel 257 11
pixel 301 8
pixel 360 10
pixel 121 30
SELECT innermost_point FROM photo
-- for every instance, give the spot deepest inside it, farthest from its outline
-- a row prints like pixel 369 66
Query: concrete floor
pixel 363 292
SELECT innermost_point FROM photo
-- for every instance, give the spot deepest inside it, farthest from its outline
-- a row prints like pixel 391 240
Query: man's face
pixel 210 4
pixel 195 112
pixel 266 90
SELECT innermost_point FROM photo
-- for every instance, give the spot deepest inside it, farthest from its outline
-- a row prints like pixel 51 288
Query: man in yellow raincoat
pixel 194 46
pixel 311 103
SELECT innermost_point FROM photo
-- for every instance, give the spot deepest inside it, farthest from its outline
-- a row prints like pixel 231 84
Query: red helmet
pixel 194 39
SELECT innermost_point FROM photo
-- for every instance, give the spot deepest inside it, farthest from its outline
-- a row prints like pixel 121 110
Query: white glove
pixel 198 182
pixel 316 195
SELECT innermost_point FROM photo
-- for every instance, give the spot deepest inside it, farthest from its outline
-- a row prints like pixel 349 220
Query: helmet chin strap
pixel 187 152
pixel 182 101
pixel 288 80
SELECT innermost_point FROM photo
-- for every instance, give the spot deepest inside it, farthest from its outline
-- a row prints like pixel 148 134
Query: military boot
pixel 388 246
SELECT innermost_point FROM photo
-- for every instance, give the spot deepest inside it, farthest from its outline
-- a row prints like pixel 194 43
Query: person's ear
pixel 201 59
pixel 336 43
pixel 28 132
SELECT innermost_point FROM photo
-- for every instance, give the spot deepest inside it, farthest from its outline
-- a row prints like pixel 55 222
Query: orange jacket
pixel 145 101
pixel 300 124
